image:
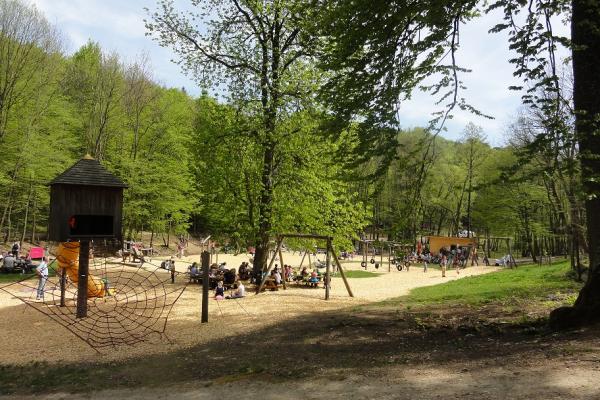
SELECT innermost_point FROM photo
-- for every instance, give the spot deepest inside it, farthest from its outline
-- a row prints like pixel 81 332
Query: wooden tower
pixel 86 203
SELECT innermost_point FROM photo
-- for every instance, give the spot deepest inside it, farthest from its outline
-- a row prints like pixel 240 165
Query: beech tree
pixel 27 45
pixel 252 47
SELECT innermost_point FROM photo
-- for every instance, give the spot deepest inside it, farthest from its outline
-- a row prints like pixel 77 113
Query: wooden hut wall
pixel 69 200
pixel 437 242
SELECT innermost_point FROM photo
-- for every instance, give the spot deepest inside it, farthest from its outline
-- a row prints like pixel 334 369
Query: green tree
pixel 254 47
pixel 375 68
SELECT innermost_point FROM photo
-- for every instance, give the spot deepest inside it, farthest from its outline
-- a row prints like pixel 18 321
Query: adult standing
pixel 172 269
pixel 443 261
pixel 42 272
pixel 15 249
pixel 475 257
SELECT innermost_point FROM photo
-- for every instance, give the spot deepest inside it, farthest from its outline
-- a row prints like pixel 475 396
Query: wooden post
pixel 366 254
pixel 342 273
pixel 302 261
pixel 281 262
pixel 264 279
pixel 327 275
pixel 390 258
pixel 205 259
pixel 309 262
pixel 63 284
pixel 82 283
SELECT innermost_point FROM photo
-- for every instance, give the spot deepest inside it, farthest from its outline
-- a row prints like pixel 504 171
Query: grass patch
pixel 358 274
pixel 17 277
pixel 525 282
pixel 14 277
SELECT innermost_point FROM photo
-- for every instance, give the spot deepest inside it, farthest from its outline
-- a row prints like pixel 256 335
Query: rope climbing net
pixel 127 303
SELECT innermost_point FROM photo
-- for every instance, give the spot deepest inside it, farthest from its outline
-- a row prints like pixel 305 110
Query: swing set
pixel 392 258
pixel 330 255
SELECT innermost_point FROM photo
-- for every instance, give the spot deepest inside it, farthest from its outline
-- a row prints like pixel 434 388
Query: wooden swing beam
pixel 330 251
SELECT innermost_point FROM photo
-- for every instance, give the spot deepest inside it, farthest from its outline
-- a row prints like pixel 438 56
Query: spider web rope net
pixel 136 304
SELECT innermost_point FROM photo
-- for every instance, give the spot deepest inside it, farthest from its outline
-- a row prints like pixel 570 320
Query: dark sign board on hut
pixel 86 202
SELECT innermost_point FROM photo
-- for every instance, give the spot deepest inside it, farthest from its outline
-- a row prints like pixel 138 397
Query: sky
pixel 118 25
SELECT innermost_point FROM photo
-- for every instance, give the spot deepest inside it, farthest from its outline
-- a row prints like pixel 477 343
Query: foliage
pixel 88 102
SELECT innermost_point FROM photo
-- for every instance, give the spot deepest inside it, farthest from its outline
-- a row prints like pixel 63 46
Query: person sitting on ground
pixel 314 279
pixel 165 264
pixel 219 291
pixel 289 273
pixel 239 293
pixel 25 264
pixel 229 277
pixel 194 272
pixel 244 271
pixel 194 268
pixel 9 262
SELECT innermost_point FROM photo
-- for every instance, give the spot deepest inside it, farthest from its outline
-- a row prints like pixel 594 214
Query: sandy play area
pixel 35 337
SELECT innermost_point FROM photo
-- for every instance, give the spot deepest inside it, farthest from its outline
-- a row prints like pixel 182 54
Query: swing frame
pixel 330 254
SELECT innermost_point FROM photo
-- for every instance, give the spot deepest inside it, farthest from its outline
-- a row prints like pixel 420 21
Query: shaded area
pixel 327 345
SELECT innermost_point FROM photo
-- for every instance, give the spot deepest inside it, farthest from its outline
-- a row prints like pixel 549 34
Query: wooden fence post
pixel 205 259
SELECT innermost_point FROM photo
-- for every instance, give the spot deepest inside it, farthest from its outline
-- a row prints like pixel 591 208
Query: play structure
pixel 103 304
pixel 67 257
pixel 330 253
pixel 396 254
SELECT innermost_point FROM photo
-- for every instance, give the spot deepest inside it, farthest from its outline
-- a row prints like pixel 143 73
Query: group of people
pixel 312 278
pixel 14 261
pixel 457 256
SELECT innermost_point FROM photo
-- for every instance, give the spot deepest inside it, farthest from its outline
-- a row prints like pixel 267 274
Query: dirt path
pixel 553 381
pixel 227 318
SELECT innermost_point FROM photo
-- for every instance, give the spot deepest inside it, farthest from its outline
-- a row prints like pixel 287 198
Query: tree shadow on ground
pixel 334 344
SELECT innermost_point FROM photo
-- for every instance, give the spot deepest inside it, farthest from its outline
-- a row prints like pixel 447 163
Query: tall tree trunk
pixel 270 97
pixel 26 214
pixel 34 217
pixel 9 225
pixel 585 36
pixel 264 210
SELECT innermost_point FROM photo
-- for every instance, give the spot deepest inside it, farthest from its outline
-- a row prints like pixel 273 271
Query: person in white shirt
pixel 239 293
pixel 42 272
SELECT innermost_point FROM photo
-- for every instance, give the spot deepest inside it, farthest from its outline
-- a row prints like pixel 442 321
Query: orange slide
pixel 68 259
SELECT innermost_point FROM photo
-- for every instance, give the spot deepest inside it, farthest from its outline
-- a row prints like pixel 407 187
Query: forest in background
pixel 250 163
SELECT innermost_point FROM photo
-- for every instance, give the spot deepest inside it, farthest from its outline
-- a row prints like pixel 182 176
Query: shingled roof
pixel 88 172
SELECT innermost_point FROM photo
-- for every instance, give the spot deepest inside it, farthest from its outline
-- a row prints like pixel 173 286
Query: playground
pixel 472 338
pixel 24 324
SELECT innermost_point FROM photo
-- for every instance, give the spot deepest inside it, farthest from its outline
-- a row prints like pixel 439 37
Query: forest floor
pixel 484 337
